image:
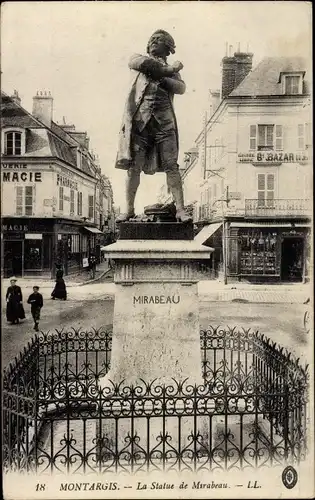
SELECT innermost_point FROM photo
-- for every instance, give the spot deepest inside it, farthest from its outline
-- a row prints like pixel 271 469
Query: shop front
pixel 27 247
pixel 267 252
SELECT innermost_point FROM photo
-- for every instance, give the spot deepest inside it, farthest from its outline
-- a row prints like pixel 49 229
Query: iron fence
pixel 249 412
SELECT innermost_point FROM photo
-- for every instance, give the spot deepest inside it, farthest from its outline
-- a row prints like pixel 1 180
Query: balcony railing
pixel 284 208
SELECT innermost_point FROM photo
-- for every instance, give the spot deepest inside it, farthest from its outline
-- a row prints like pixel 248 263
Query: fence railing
pixel 277 207
pixel 249 412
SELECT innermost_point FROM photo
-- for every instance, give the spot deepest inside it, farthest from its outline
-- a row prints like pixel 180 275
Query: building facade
pixel 250 173
pixel 50 191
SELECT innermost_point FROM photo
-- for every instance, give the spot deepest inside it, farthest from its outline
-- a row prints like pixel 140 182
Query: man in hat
pixel 148 139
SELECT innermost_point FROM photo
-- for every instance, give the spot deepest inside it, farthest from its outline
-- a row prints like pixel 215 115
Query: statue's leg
pixel 132 184
pixel 168 150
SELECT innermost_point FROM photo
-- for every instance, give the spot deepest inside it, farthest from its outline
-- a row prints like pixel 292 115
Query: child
pixel 36 301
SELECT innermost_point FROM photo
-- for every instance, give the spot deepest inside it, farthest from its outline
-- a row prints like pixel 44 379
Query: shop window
pixel 266 190
pixel 71 202
pixel 32 255
pixel 259 253
pixel 91 207
pixel 25 196
pixel 13 143
pixel 79 203
pixel 60 198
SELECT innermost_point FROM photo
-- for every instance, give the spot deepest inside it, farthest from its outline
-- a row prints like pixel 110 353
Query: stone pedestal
pixel 156 313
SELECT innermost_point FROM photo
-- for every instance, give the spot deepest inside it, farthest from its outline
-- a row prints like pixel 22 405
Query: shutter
pixel 261 135
pixel 270 182
pixel 279 138
pixel 301 136
pixel 261 182
pixel 252 136
pixel 19 200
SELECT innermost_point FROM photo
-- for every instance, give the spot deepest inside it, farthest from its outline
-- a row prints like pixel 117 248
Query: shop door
pixel 12 261
pixel 292 259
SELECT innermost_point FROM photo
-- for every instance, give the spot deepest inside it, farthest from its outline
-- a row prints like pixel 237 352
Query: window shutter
pixel 261 182
pixel 270 182
pixel 19 200
pixel 301 136
pixel 252 137
pixel 279 137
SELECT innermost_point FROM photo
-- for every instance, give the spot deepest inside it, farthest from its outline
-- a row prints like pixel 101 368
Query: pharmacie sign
pixel 272 157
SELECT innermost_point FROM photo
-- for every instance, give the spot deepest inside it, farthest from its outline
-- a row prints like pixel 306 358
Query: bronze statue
pixel 148 139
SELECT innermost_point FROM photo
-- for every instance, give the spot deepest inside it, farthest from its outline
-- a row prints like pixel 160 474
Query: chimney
pixel 234 70
pixel 43 107
pixel 228 76
pixel 244 63
pixel 81 137
pixel 15 97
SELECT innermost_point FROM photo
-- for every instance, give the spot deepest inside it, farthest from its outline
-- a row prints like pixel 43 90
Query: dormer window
pixel 13 143
pixel 292 83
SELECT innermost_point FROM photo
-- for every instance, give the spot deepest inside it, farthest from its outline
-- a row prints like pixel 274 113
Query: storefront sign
pixel 22 176
pixel 272 157
pixel 66 182
pixel 13 165
pixel 14 227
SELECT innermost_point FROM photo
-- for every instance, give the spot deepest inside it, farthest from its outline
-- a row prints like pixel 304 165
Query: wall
pixel 46 179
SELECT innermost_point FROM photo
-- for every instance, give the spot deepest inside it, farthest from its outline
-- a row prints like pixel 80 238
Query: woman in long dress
pixel 15 310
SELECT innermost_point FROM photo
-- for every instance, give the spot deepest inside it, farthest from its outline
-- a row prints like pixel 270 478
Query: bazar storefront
pixel 261 252
pixel 33 247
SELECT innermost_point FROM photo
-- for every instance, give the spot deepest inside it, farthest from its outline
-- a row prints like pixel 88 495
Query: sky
pixel 79 52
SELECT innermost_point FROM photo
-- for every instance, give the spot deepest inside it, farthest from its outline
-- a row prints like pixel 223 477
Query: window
pixel 91 207
pixel 266 190
pixel 13 143
pixel 25 200
pixel 266 137
pixel 60 198
pixel 292 84
pixel 79 203
pixel 71 202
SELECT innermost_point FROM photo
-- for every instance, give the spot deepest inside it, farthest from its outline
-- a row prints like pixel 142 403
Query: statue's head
pixel 161 44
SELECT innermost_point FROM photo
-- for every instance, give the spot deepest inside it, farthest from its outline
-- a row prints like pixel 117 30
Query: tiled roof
pixel 61 150
pixel 265 78
pixel 13 115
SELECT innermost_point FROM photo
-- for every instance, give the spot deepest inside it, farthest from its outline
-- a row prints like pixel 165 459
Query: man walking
pixel 36 301
pixel 148 140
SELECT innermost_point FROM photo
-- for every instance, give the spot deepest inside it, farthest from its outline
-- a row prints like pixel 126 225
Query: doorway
pixel 13 258
pixel 292 256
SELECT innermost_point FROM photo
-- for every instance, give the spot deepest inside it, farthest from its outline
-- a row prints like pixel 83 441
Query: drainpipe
pixel 224 250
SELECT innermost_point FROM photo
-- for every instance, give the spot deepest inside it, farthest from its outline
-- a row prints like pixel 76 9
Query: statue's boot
pixel 183 216
pixel 174 183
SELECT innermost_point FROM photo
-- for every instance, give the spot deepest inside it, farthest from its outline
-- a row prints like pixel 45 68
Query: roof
pixel 40 139
pixel 264 80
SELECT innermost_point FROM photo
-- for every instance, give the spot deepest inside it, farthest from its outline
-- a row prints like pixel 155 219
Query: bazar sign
pixel 271 157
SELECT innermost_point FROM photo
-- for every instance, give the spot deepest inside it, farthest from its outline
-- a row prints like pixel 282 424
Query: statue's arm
pixel 175 84
pixel 150 67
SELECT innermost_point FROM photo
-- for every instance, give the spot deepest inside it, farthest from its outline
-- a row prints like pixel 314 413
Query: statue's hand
pixel 177 66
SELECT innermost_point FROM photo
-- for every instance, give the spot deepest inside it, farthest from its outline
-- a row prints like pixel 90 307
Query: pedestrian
pixel 59 271
pixel 15 310
pixel 36 301
pixel 60 290
pixel 92 265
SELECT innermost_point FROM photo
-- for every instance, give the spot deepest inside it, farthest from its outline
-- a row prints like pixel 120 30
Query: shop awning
pixel 268 224
pixel 93 230
pixel 206 232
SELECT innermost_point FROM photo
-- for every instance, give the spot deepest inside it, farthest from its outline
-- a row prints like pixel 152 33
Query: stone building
pixel 250 180
pixel 56 204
